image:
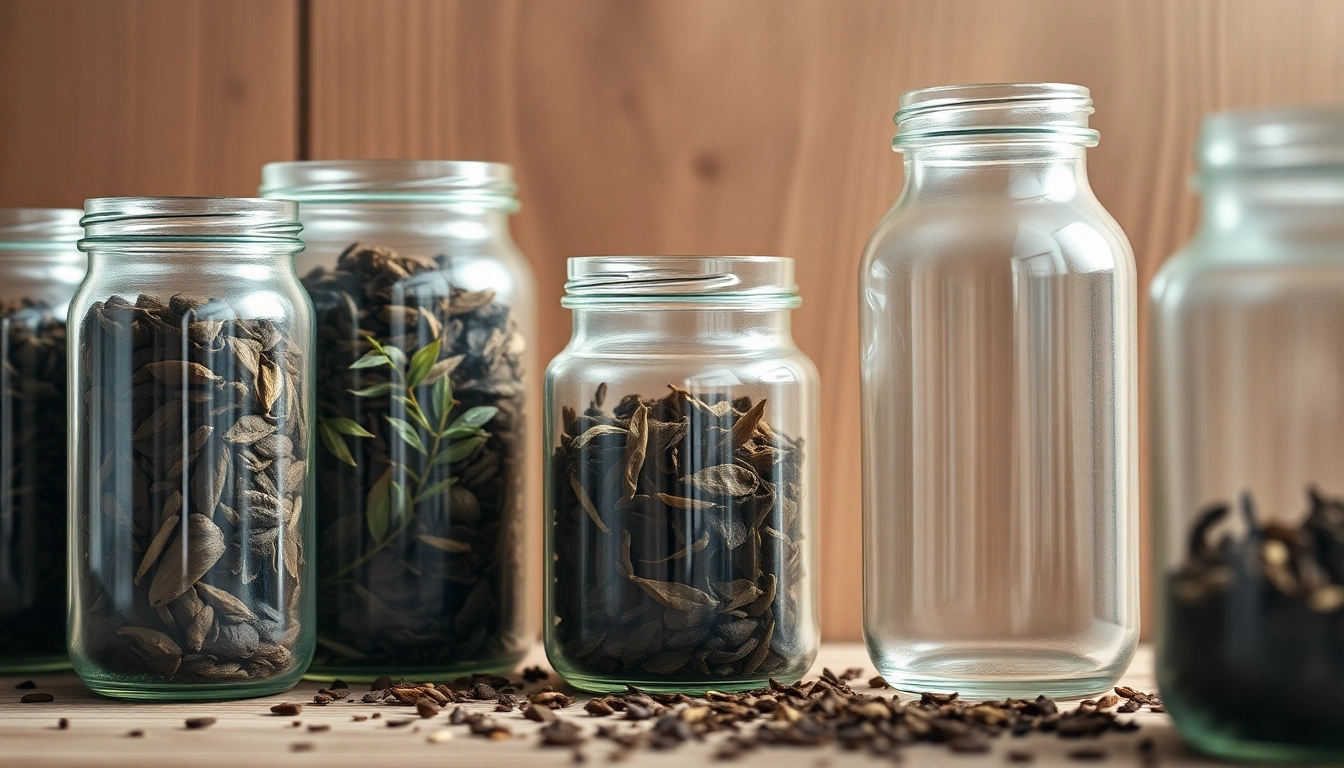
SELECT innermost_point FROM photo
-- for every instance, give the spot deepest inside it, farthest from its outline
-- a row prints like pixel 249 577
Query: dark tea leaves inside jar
pixel 196 455
pixel 677 539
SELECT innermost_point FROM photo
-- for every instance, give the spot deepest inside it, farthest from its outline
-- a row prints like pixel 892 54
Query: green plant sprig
pixel 426 431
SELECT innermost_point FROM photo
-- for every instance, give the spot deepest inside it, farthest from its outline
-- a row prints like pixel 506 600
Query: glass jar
pixel 190 402
pixel 40 267
pixel 1248 443
pixel 424 311
pixel 681 420
pixel 998 334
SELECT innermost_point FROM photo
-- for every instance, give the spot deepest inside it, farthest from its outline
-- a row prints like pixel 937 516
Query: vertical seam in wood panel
pixel 303 71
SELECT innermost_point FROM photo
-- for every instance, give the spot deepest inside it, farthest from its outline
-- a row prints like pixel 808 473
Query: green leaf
pixel 335 445
pixel 406 432
pixel 395 354
pixel 377 390
pixel 414 410
pixel 374 359
pixel 376 510
pixel 462 433
pixel 423 360
pixel 459 450
pixel 443 398
pixel 411 473
pixel 397 500
pixel 434 490
pixel 476 417
pixel 348 427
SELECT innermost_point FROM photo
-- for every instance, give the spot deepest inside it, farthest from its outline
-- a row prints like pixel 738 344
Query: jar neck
pixel 661 329
pixel 1050 172
pixel 350 221
pixel 167 256
pixel 1263 212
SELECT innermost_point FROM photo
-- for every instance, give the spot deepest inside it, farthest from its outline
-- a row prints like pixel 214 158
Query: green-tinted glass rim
pixel 227 221
pixel 738 282
pixel 39 229
pixel 1008 112
pixel 464 183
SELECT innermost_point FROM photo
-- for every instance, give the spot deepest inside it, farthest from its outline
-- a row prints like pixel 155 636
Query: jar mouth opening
pixel 461 182
pixel 763 281
pixel 1259 142
pixel 994 112
pixel 40 228
pixel 229 220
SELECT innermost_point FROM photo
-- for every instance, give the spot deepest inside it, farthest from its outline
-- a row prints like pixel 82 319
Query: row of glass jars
pixel 308 454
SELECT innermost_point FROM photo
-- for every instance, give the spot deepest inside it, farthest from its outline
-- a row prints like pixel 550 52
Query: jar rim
pixel 109 220
pixel 1268 139
pixel 765 282
pixel 461 182
pixel 1000 112
pixel 40 228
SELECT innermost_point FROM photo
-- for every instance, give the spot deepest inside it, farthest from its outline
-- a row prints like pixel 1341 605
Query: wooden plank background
pixel 641 126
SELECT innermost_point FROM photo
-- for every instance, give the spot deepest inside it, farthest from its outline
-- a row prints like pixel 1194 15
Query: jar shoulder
pixel 1232 273
pixel 1062 238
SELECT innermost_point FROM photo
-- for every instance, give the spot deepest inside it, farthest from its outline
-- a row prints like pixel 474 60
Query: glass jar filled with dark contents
pixel 40 268
pixel 1248 443
pixel 424 312
pixel 680 490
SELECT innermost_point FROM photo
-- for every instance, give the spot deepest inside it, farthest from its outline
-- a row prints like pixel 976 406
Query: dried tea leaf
pixel 156 545
pixel 152 642
pixel 679 597
pixel 736 594
pixel 248 430
pixel 636 444
pixel 690 549
pixel 451 546
pixel 182 372
pixel 745 426
pixel 587 504
pixel 207 482
pixel 601 433
pixel 682 502
pixel 164 420
pixel 185 562
pixel 225 604
pixel 725 480
pixel 270 385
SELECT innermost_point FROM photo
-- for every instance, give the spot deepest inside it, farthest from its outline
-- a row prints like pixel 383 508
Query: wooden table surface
pixel 247 734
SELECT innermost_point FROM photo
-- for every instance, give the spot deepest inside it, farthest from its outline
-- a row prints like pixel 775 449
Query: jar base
pixel 602 685
pixel 998 673
pixel 131 689
pixel 366 672
pixel 1228 747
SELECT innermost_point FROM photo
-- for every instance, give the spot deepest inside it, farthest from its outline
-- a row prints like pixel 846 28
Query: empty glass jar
pixel 190 400
pixel 40 268
pixel 681 488
pixel 424 312
pixel 1248 443
pixel 998 331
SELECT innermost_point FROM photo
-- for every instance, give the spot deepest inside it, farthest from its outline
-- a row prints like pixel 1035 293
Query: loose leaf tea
pixel 420 397
pixel 1255 618
pixel 677 541
pixel 32 507
pixel 193 471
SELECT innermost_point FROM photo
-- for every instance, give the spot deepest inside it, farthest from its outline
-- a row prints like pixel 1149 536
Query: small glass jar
pixel 1248 443
pixel 190 406
pixel 40 267
pixel 998 332
pixel 424 312
pixel 681 501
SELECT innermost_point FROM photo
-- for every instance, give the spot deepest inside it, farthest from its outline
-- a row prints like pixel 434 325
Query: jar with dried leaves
pixel 1247 350
pixel 40 268
pixel 423 311
pixel 680 490
pixel 190 504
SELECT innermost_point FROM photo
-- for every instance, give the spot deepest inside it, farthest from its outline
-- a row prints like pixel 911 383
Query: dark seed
pixel 197 723
pixel 63 723
pixel 1020 757
pixel 36 698
pixel 302 746
pixel 319 728
pixel 136 734
pixel 286 709
pixel 426 708
pixel 1088 754
pixel 26 685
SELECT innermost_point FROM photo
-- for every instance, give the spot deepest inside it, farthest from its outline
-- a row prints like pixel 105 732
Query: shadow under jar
pixel 40 268
pixel 681 486
pixel 1000 484
pixel 424 309
pixel 190 400
pixel 1248 444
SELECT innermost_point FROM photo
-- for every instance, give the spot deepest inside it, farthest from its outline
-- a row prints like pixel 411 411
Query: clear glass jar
pixel 1248 443
pixel 424 312
pixel 190 405
pixel 998 336
pixel 40 267
pixel 681 501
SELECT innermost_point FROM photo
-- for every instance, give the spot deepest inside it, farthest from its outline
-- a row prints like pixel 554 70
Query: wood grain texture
pixel 762 126
pixel 246 733
pixel 144 97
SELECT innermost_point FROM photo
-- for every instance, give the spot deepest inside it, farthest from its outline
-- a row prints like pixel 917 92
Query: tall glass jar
pixel 40 267
pixel 681 501
pixel 998 332
pixel 424 312
pixel 1248 443
pixel 190 401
